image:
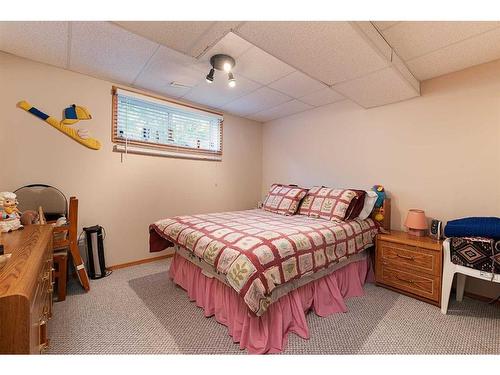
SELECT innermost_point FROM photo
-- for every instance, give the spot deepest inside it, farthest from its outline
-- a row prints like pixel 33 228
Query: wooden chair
pixel 66 238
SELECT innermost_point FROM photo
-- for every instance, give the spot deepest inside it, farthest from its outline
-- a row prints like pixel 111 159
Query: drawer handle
pixel 405 280
pixel 406 257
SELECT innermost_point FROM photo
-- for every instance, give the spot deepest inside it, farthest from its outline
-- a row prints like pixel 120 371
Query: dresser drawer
pixel 407 257
pixel 416 283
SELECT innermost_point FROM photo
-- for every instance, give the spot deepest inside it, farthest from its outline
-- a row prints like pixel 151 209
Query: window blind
pixel 150 122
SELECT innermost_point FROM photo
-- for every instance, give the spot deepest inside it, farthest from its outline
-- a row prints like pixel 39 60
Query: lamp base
pixel 417 232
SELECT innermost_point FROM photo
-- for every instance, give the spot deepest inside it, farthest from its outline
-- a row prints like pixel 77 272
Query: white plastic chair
pixel 450 269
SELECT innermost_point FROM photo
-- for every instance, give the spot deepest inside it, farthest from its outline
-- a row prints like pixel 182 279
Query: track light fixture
pixel 223 63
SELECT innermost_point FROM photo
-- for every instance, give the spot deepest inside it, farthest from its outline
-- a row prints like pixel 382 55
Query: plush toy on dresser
pixel 379 210
pixel 9 214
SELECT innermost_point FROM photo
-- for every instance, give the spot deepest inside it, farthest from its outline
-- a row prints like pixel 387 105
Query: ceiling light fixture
pixel 223 63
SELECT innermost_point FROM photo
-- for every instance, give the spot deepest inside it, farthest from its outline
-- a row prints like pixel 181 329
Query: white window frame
pixel 160 149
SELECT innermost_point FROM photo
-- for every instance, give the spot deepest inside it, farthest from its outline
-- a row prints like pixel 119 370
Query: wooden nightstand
pixel 410 265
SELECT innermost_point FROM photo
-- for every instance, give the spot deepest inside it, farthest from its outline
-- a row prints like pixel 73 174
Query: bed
pixel 260 272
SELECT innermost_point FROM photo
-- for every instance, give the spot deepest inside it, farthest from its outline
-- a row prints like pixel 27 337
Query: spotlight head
pixel 227 67
pixel 231 80
pixel 210 76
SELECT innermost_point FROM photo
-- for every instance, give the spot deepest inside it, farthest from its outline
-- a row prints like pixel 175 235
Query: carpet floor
pixel 138 310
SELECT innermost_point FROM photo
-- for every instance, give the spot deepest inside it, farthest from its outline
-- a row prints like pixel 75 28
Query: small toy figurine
pixel 379 189
pixel 9 214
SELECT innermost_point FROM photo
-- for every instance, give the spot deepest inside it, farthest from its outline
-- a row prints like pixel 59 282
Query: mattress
pixel 256 252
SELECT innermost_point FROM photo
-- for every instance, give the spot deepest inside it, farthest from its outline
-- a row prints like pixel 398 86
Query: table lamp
pixel 416 223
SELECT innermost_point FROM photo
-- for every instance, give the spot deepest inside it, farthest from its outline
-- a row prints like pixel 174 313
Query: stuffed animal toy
pixel 9 214
pixel 29 217
pixel 379 189
pixel 72 115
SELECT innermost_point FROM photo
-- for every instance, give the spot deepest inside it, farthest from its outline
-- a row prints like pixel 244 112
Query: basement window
pixel 150 125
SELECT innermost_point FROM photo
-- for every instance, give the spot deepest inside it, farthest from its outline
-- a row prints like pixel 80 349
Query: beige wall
pixel 122 197
pixel 439 152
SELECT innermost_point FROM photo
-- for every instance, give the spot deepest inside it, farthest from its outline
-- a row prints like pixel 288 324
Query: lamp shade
pixel 416 222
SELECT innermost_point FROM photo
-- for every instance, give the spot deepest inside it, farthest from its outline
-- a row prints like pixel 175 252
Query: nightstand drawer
pixel 418 284
pixel 401 256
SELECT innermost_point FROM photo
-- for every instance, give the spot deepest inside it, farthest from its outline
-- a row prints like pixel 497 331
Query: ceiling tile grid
pixel 296 85
pixel 378 88
pixel 46 42
pixel 104 50
pixel 281 67
pixel 261 66
pixel 417 38
pixel 473 51
pixel 331 51
pixel 218 93
pixel 167 66
pixel 322 97
pixel 282 110
pixel 258 100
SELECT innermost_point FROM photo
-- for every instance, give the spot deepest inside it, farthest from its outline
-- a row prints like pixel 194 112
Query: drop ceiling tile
pixel 383 87
pixel 259 100
pixel 167 66
pixel 231 44
pixel 218 92
pixel 417 38
pixel 473 51
pixel 374 37
pixel 46 42
pixel 105 50
pixel 261 67
pixel 383 25
pixel 282 110
pixel 189 37
pixel 214 34
pixel 179 35
pixel 330 51
pixel 297 84
pixel 322 97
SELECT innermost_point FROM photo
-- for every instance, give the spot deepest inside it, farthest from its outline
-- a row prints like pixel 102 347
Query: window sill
pixel 164 153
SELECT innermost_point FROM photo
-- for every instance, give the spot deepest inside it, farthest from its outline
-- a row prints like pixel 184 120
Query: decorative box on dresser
pixel 26 290
pixel 410 265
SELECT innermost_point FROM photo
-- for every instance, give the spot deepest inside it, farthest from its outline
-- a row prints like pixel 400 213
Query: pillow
pixel 356 205
pixel 370 199
pixel 327 203
pixel 284 199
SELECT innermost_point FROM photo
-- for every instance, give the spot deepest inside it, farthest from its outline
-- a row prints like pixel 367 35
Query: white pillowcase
pixel 370 199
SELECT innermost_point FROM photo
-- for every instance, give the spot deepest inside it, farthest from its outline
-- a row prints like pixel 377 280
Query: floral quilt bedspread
pixel 256 250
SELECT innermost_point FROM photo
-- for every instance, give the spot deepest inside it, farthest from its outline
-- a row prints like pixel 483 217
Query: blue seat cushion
pixel 474 227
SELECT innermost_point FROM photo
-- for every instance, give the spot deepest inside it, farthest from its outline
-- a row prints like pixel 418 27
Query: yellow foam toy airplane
pixel 72 115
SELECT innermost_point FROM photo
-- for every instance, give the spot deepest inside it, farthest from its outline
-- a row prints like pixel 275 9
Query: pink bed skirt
pixel 268 333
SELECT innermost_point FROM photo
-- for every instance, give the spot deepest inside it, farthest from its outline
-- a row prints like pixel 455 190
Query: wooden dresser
pixel 26 290
pixel 410 265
